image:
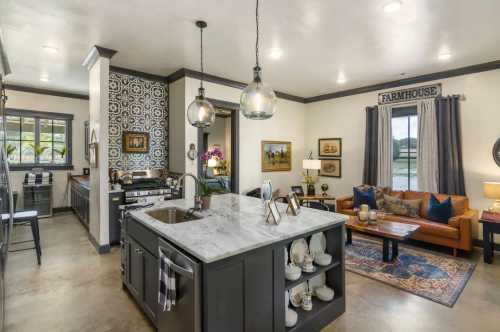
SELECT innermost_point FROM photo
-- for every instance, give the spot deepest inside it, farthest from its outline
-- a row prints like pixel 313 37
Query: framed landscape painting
pixel 331 168
pixel 330 147
pixel 135 142
pixel 276 156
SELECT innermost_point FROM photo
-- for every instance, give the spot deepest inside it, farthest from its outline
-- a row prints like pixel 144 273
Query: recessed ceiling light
pixel 392 6
pixel 50 49
pixel 444 56
pixel 275 53
pixel 44 78
pixel 341 79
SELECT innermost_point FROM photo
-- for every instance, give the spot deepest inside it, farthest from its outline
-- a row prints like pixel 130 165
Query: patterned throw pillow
pixel 379 194
pixel 402 207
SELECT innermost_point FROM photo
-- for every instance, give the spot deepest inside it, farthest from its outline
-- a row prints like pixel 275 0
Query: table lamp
pixel 311 164
pixel 492 191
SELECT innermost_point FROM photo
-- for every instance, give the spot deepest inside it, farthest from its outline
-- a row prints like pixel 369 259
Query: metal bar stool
pixel 30 217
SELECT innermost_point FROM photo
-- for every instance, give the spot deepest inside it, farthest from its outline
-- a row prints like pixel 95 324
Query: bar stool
pixel 25 217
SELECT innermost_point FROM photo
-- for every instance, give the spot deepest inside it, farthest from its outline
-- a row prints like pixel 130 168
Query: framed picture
pixel 293 203
pixel 331 168
pixel 276 156
pixel 330 147
pixel 274 215
pixel 135 142
pixel 298 190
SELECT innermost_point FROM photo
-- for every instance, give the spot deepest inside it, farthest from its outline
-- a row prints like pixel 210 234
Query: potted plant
pixel 39 150
pixel 62 152
pixel 206 193
pixel 10 149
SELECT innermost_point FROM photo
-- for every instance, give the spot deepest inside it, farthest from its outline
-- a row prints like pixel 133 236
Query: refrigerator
pixel 6 199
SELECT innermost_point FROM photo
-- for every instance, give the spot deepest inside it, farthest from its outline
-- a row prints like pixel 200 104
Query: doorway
pixel 218 145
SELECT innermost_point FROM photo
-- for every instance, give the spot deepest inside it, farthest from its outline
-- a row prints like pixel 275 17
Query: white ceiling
pixel 318 38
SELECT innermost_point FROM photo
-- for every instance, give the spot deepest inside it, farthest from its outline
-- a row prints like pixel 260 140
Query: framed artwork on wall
pixel 331 168
pixel 276 156
pixel 330 147
pixel 135 142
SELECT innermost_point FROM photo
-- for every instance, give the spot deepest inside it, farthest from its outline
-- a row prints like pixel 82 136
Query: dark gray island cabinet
pixel 230 266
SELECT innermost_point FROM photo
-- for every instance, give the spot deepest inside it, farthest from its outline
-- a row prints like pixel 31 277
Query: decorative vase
pixel 310 190
pixel 205 202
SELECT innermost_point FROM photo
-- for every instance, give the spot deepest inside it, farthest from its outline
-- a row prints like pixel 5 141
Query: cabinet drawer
pixel 143 235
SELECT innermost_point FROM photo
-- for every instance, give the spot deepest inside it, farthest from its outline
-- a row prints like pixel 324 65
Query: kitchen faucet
pixel 197 197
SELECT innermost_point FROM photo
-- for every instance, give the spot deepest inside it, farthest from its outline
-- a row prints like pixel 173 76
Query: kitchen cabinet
pixel 80 200
pixel 115 200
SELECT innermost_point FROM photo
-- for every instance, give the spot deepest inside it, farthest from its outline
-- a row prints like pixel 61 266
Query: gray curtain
pixel 451 172
pixel 371 147
pixel 427 146
pixel 384 174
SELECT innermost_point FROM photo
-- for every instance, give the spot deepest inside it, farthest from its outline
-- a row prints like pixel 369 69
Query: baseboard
pixel 480 244
pixel 104 249
pixel 61 209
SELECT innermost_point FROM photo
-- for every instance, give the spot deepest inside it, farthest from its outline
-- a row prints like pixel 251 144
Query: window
pixel 404 141
pixel 38 139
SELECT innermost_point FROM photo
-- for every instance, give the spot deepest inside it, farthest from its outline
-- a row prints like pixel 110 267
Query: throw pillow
pixel 439 211
pixel 364 197
pixel 402 207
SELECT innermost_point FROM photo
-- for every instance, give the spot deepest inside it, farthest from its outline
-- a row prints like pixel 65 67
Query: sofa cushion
pixel 460 204
pixel 428 227
pixel 402 207
pixel 419 195
pixel 439 211
pixel 364 197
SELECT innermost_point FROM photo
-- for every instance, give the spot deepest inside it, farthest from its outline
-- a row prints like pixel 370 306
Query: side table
pixel 490 227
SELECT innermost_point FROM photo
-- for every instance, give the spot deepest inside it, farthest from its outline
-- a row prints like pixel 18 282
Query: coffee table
pixel 388 231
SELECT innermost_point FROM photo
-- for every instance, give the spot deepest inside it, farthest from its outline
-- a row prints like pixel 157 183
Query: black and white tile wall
pixel 137 104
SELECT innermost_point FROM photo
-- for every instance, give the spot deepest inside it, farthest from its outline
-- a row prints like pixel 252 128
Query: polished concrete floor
pixel 77 290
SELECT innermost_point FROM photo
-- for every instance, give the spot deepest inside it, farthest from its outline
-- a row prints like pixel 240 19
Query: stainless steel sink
pixel 173 215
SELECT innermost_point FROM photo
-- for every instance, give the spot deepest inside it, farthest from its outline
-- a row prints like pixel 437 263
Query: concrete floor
pixel 77 290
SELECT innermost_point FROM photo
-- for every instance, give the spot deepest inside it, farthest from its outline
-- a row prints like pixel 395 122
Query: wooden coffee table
pixel 388 231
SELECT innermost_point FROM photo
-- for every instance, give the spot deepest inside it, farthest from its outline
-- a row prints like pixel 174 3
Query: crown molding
pixel 136 73
pixel 95 53
pixel 45 92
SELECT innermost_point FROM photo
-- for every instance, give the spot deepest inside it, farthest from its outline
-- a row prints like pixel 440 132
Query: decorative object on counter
pixel 298 190
pixel 492 191
pixel 307 304
pixel 331 168
pixel 293 203
pixel 317 247
pixel 206 193
pixel 86 171
pixel 135 142
pixel 309 180
pixel 201 113
pixel 372 217
pixel 273 216
pixel 363 214
pixel 324 188
pixel 276 156
pixel 330 147
pixel 496 152
pixel 292 272
pixel 308 265
pixel 325 293
pixel 296 294
pixel 93 150
pixel 291 316
pixel 298 251
pixel 257 100
pixel 323 259
pixel 192 152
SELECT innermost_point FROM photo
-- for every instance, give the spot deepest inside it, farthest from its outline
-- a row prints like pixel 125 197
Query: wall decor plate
pixel 298 251
pixel 317 281
pixel 317 244
pixel 297 293
pixel 286 256
pixel 287 299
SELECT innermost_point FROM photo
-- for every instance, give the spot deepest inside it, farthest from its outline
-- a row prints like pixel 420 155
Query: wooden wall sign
pixel 406 95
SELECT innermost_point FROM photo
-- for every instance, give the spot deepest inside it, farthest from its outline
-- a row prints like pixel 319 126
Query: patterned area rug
pixel 436 277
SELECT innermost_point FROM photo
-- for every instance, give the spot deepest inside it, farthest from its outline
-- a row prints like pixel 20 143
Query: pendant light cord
pixel 257 39
pixel 201 58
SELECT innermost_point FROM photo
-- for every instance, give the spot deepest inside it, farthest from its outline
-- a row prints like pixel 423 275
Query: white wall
pixel 480 115
pixel 176 132
pixel 45 103
pixel 288 124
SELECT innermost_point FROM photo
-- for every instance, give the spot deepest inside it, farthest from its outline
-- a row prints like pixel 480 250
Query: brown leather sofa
pixel 457 234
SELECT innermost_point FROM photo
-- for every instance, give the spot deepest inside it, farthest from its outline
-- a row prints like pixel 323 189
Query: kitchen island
pixel 230 265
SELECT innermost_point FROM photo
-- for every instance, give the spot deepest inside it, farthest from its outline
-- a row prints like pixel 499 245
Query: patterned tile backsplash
pixel 137 104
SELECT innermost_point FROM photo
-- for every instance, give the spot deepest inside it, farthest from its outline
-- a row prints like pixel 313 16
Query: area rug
pixel 437 277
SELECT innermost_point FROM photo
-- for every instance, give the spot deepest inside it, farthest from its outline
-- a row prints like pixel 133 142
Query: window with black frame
pixel 38 139
pixel 404 142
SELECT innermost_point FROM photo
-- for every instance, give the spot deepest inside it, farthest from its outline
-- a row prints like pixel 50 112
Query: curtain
pixel 451 172
pixel 384 172
pixel 371 147
pixel 427 146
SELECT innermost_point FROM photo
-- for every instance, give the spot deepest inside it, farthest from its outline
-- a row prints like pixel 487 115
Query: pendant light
pixel 201 113
pixel 257 101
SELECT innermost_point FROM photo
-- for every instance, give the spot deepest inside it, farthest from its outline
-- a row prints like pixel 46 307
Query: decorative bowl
pixel 292 272
pixel 324 293
pixel 323 259
pixel 290 317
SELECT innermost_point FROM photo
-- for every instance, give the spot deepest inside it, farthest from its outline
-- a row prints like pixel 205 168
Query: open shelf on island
pixel 305 316
pixel 307 276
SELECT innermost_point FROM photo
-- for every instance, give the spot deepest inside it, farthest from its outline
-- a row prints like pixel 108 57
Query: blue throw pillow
pixel 439 211
pixel 364 197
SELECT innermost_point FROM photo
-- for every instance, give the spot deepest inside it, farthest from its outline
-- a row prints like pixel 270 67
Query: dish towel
pixel 167 292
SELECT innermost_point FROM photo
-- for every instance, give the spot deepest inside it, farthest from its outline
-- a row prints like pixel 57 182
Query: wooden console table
pixel 490 228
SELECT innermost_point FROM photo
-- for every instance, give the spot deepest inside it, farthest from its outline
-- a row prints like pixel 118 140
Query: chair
pixel 25 217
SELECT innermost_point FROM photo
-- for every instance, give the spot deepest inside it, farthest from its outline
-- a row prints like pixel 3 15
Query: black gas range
pixel 147 186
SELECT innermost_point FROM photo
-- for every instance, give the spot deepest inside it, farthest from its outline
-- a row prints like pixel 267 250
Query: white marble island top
pixel 234 224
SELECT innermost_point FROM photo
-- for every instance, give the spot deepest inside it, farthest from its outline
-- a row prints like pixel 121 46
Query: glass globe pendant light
pixel 257 101
pixel 201 113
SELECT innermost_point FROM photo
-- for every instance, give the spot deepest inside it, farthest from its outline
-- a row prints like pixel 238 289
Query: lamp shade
pixel 212 162
pixel 311 164
pixel 491 190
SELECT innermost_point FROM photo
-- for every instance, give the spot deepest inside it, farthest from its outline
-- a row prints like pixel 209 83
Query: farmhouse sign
pixel 406 95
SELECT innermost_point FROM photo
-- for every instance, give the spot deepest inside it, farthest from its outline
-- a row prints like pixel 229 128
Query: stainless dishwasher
pixel 185 316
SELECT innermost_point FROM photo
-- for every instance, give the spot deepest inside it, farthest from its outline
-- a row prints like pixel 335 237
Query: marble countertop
pixel 234 224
